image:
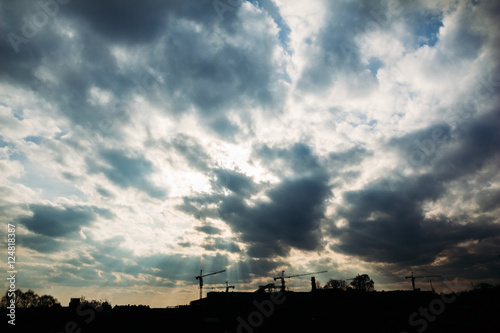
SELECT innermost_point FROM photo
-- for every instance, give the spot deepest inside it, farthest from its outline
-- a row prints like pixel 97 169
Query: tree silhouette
pixel 483 286
pixel 363 282
pixel 47 301
pixel 336 284
pixel 98 305
pixel 29 299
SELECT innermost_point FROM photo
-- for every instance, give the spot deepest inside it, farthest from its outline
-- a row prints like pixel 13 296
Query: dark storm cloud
pixel 18 59
pixel 59 222
pixel 130 22
pixel 221 244
pixel 41 243
pixel 127 171
pixel 290 219
pixel 70 92
pixel 192 151
pixel 57 52
pixel 196 205
pixel 205 69
pixel 231 72
pixel 474 260
pixel 452 153
pixel 478 141
pixel 224 127
pixel 488 200
pixel 209 229
pixel 255 268
pixel 423 146
pixel 216 76
pixel 236 182
pixel 126 22
pixel 342 159
pixel 104 192
pixel 299 158
pixel 390 226
pixel 291 216
pixel 239 185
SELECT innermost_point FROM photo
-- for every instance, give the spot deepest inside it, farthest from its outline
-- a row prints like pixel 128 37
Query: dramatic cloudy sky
pixel 143 141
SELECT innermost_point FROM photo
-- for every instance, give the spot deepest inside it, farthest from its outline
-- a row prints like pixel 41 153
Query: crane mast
pixel 201 276
pixel 413 277
pixel 228 287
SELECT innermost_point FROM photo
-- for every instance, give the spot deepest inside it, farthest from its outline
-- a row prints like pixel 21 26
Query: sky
pixel 142 142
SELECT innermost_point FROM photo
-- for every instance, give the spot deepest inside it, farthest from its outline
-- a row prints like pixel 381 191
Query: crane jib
pixel 201 276
pixel 291 276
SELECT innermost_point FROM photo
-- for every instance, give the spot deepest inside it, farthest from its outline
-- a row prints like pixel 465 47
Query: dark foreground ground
pixel 322 311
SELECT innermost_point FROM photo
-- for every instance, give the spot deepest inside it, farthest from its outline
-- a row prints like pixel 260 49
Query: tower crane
pixel 201 276
pixel 413 277
pixel 283 277
pixel 228 287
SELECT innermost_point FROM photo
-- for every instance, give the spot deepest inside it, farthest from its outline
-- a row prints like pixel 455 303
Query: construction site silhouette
pixel 273 308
